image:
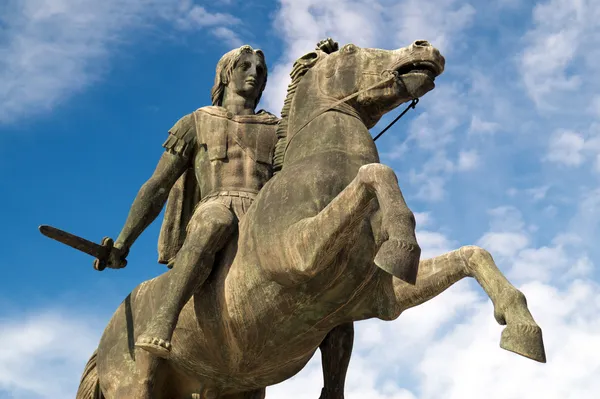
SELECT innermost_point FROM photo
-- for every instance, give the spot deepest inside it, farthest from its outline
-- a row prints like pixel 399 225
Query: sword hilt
pixel 100 263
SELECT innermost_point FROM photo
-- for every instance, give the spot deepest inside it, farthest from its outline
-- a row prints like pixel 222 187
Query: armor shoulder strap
pixel 212 127
pixel 182 137
pixel 267 117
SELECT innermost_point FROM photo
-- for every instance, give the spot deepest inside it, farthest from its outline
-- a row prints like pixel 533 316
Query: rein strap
pixel 412 105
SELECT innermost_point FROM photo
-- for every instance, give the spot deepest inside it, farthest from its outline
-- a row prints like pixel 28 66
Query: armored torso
pixel 233 152
pixel 230 156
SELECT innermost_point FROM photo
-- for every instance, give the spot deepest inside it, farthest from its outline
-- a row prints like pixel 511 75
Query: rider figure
pixel 229 148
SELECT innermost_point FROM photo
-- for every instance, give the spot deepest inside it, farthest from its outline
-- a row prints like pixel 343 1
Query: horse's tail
pixel 89 387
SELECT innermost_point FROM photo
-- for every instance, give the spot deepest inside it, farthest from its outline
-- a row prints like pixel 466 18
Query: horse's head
pixel 384 79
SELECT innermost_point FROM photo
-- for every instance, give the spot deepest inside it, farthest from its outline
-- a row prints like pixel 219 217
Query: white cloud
pixel 539 264
pixel 538 193
pixel 506 218
pixel 228 36
pixel 466 363
pixel 43 354
pixel 481 126
pixel 506 244
pixel 467 160
pixel 566 147
pixel 433 243
pixel 54 49
pixel 190 17
pixel 423 219
pixel 509 240
pixel 441 22
pixel 585 224
pixel 431 189
pixel 394 152
pixel 560 52
pixel 572 149
pixel 594 107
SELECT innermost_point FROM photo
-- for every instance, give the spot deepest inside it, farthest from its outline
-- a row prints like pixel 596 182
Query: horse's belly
pixel 246 377
pixel 247 350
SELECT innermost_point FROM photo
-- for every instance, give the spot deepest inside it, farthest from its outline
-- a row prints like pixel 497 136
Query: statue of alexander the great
pixel 217 159
pixel 329 240
pixel 229 147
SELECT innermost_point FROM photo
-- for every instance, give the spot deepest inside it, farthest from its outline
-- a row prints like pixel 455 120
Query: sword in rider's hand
pixel 100 251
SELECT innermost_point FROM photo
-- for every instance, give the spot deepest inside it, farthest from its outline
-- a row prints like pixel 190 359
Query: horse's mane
pixel 301 66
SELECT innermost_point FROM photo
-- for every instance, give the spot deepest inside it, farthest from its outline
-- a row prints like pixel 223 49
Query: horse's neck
pixel 330 131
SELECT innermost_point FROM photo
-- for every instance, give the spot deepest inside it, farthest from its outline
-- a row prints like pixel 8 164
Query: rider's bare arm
pixel 152 197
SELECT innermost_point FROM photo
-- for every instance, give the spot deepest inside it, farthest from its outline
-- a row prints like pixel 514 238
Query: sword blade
pixel 81 244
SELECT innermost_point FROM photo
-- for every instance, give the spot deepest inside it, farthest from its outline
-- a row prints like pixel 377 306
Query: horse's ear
pixel 328 45
pixel 310 59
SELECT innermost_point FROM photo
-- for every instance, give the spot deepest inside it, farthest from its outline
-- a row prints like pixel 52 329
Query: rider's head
pixel 243 70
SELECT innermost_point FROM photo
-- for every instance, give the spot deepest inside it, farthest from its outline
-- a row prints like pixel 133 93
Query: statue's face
pixel 248 76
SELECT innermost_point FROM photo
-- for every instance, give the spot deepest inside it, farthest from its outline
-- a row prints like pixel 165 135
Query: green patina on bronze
pixel 260 281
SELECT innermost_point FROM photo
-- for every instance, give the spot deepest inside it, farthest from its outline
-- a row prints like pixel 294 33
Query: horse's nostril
pixel 422 43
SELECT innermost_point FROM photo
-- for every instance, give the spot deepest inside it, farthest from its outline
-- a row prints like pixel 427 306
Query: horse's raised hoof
pixel 155 346
pixel 524 340
pixel 400 259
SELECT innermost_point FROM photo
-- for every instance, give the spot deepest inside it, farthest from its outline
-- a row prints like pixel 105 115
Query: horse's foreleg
pixel 314 242
pixel 522 335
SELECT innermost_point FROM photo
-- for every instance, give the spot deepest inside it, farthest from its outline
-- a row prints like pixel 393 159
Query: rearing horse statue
pixel 328 241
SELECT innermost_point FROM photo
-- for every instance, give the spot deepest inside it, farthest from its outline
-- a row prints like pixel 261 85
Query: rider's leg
pixel 207 232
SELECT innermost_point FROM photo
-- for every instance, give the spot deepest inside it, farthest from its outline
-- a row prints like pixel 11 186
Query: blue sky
pixel 504 153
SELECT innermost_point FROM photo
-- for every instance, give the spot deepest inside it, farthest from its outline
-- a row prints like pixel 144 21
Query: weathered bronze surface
pixel 268 269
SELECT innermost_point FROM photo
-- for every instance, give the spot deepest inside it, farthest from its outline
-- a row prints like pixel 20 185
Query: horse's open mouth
pixel 424 67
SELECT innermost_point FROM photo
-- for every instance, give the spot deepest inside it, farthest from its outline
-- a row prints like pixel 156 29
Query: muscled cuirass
pixel 234 152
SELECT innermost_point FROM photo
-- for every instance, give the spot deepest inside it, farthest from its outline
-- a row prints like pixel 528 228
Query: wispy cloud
pixel 573 148
pixel 561 53
pixel 43 354
pixel 53 49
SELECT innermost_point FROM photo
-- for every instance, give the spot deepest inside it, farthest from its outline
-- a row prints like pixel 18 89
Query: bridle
pixel 392 75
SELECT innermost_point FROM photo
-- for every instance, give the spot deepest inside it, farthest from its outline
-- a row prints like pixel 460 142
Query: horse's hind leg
pixel 257 394
pixel 148 382
pixel 336 350
pixel 313 242
pixel 522 335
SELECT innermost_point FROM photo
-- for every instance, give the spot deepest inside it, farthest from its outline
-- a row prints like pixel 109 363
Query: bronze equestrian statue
pixel 328 240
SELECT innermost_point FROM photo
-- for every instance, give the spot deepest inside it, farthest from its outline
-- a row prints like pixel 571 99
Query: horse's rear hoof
pixel 399 259
pixel 524 340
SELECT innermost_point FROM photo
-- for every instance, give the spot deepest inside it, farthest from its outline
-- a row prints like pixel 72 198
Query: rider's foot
pixel 156 346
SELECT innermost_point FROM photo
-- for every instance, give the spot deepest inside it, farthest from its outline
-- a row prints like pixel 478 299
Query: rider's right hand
pixel 116 257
